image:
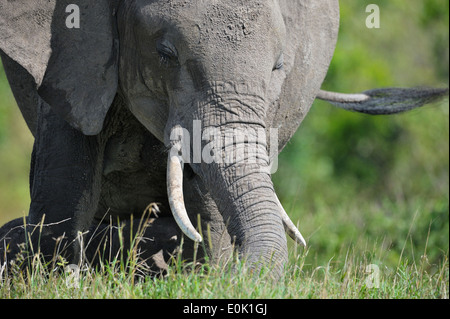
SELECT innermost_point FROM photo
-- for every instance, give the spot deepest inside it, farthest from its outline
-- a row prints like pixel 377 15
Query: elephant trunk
pixel 252 214
pixel 236 171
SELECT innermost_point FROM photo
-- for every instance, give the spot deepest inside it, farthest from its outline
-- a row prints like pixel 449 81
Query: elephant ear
pixel 74 66
pixel 312 28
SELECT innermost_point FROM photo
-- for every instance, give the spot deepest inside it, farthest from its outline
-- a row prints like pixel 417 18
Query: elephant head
pixel 196 72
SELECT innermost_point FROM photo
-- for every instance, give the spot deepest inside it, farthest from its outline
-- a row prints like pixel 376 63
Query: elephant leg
pixel 65 184
pixel 146 245
pixel 10 232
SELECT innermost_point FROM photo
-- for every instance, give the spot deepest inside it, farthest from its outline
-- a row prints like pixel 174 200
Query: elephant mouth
pixel 175 166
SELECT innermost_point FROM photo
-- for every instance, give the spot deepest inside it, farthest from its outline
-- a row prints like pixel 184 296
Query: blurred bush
pixel 352 179
pixel 15 152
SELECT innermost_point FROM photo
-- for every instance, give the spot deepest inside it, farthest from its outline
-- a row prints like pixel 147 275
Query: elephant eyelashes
pixel 168 55
pixel 280 63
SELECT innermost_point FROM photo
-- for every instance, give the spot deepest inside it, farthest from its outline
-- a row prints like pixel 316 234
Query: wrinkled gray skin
pixel 102 100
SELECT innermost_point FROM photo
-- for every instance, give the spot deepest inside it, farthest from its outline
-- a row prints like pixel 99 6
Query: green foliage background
pixel 374 186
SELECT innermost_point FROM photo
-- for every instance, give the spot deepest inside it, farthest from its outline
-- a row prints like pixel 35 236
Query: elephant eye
pixel 168 54
pixel 280 63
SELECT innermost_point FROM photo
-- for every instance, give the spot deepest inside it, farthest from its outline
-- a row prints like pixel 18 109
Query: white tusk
pixel 176 200
pixel 289 226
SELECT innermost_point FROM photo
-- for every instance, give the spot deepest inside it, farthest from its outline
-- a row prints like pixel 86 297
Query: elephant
pixel 113 103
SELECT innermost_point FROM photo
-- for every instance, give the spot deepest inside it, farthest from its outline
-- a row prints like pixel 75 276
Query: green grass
pixel 362 269
pixel 351 279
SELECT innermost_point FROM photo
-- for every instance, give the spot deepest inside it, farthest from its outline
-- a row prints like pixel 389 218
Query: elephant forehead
pixel 229 20
pixel 239 30
pixel 234 23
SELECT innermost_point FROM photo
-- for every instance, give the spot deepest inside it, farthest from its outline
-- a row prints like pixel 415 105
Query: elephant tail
pixel 384 101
